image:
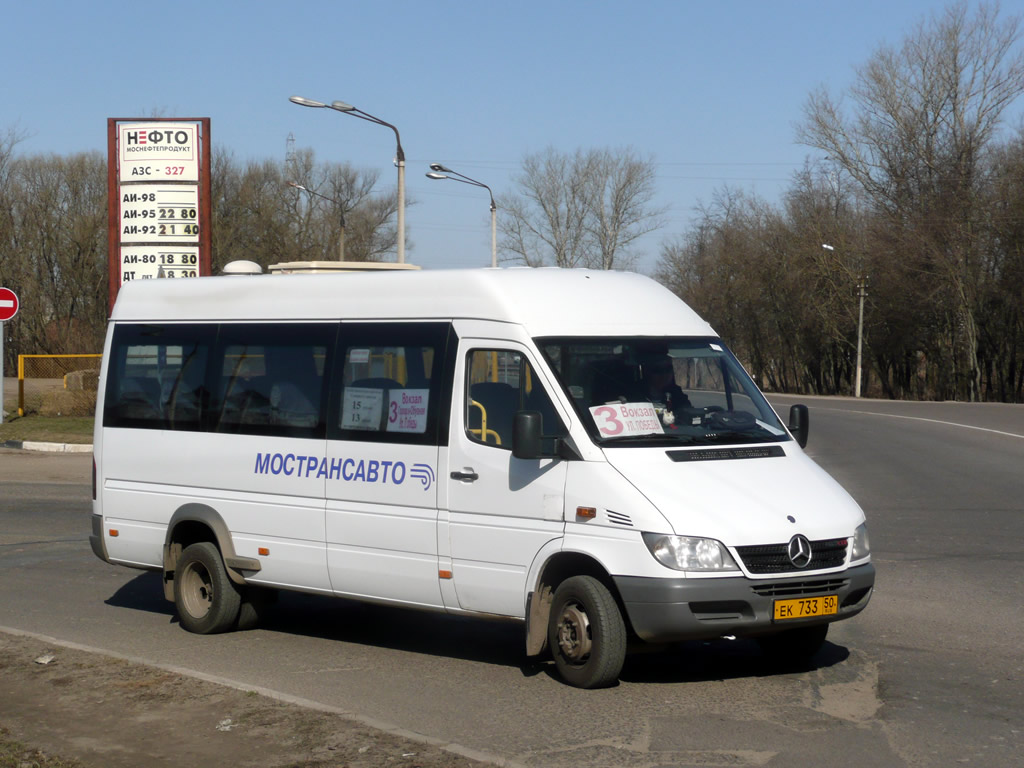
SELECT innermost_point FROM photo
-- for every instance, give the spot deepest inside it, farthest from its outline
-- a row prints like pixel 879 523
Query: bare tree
pixel 581 210
pixel 923 118
pixel 57 256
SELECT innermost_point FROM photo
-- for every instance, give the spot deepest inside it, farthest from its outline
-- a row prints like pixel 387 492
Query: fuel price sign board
pixel 158 209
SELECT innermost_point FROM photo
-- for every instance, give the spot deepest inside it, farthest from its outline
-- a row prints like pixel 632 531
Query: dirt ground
pixel 109 713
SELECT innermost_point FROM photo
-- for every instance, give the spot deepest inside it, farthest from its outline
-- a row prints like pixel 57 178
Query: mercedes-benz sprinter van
pixel 573 449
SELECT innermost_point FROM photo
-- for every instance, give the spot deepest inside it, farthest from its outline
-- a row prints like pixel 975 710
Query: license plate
pixel 806 607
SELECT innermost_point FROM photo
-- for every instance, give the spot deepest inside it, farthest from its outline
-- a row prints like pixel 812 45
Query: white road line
pixel 920 418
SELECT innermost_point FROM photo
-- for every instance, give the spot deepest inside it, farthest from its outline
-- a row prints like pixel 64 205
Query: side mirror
pixel 799 424
pixel 526 435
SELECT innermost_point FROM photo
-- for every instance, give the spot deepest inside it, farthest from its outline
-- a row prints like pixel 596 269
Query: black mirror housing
pixel 799 424
pixel 526 435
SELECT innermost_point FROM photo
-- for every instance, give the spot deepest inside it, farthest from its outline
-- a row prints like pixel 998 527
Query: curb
pixel 32 445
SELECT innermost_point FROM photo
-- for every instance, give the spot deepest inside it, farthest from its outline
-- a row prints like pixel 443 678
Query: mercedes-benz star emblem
pixel 799 551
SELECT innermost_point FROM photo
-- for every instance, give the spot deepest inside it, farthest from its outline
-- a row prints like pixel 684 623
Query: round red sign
pixel 8 304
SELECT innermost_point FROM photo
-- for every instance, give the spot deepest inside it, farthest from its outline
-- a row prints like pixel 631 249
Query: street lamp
pixel 341 213
pixel 862 285
pixel 438 171
pixel 348 109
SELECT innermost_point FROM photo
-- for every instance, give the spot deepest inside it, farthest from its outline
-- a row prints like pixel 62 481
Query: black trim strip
pixel 719 454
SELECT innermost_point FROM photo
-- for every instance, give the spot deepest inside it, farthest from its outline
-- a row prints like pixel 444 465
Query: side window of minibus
pixel 270 379
pixel 388 382
pixel 156 378
pixel 500 382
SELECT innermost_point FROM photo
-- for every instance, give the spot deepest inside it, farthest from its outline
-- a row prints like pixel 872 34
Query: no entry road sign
pixel 8 304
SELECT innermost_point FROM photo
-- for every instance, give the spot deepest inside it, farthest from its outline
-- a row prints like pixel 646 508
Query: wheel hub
pixel 574 633
pixel 197 591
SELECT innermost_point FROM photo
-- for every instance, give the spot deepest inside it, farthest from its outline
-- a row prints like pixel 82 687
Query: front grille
pixel 774 558
pixel 799 588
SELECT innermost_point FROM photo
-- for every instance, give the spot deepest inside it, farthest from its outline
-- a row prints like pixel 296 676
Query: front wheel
pixel 586 633
pixel 207 600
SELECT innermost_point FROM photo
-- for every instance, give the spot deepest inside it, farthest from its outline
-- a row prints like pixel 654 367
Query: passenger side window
pixel 156 378
pixel 500 382
pixel 390 382
pixel 270 379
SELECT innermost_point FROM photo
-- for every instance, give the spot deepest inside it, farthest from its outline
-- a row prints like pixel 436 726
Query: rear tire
pixel 207 600
pixel 586 633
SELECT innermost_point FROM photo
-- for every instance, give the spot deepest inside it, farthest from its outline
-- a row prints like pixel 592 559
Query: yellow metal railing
pixel 52 367
pixel 483 432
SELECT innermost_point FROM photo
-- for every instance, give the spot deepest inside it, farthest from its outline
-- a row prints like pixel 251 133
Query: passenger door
pixel 501 510
pixel 382 459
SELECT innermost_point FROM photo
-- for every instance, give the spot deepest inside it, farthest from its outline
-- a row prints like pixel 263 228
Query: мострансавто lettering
pixel 351 470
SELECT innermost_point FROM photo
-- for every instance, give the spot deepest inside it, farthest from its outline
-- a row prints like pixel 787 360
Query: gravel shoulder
pixel 103 712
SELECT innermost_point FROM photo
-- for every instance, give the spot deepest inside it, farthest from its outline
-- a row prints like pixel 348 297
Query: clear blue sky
pixel 711 90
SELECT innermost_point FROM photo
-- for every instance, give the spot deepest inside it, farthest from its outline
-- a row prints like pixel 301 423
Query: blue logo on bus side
pixel 350 470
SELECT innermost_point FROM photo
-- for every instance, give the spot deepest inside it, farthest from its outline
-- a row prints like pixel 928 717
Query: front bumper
pixel 672 610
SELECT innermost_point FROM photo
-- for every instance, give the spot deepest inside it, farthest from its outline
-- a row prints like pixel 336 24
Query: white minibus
pixel 576 450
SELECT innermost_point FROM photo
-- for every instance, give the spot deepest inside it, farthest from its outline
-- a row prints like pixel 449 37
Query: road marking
pixel 921 418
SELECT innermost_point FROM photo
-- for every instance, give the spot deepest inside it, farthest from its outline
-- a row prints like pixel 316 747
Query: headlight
pixel 861 545
pixel 689 553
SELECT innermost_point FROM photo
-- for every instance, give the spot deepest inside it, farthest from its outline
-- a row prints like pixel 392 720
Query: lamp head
pixel 303 102
pixel 436 175
pixel 439 167
pixel 341 106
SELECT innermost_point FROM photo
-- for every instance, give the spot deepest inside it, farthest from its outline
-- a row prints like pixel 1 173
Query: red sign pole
pixel 8 309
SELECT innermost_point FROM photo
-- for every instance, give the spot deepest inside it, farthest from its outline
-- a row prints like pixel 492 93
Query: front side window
pixel 663 391
pixel 500 382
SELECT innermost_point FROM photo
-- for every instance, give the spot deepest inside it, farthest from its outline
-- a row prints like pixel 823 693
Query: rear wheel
pixel 586 633
pixel 206 598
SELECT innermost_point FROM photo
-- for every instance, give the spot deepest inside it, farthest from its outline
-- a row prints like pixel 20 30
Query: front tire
pixel 207 600
pixel 586 633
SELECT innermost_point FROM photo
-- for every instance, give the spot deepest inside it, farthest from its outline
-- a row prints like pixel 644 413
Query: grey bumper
pixel 672 610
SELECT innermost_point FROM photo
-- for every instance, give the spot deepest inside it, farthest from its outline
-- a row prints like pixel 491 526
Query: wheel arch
pixel 556 569
pixel 196 522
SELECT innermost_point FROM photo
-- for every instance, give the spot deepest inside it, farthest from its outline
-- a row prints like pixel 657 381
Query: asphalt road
pixel 931 674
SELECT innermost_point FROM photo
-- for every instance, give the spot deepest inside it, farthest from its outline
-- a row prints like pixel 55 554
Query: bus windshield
pixel 665 391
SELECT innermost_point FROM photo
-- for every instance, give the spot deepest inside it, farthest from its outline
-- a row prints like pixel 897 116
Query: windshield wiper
pixel 652 439
pixel 712 438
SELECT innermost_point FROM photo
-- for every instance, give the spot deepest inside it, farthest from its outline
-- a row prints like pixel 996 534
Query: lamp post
pixel 438 171
pixel 341 214
pixel 348 109
pixel 862 285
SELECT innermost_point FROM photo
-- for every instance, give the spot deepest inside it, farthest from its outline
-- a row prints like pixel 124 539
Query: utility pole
pixel 862 292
